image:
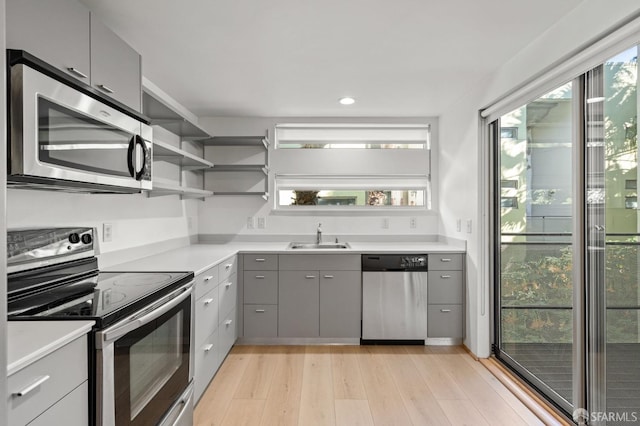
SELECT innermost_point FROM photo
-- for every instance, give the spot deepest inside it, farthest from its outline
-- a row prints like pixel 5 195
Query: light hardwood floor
pixel 357 385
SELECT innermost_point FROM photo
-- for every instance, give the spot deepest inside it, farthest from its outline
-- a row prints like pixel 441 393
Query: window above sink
pixel 348 166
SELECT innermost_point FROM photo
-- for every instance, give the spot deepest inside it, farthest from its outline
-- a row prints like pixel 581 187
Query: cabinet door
pixel 56 31
pixel 72 410
pixel 115 66
pixel 298 304
pixel 340 303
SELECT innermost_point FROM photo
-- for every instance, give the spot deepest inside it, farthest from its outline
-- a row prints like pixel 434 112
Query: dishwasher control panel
pixel 394 262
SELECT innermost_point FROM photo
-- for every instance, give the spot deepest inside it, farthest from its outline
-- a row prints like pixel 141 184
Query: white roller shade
pixel 352 134
pixel 566 69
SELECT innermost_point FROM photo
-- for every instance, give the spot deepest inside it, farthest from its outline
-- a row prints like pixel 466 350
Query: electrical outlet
pixel 250 222
pixel 459 225
pixel 262 222
pixel 385 223
pixel 107 232
pixel 413 223
pixel 469 226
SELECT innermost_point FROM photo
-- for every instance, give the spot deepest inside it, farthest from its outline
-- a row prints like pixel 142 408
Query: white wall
pixel 228 215
pixel 461 153
pixel 137 220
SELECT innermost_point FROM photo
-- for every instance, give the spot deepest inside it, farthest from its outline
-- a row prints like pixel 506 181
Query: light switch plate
pixel 262 222
pixel 469 228
pixel 250 222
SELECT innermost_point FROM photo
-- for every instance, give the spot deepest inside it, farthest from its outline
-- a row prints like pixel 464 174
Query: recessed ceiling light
pixel 347 101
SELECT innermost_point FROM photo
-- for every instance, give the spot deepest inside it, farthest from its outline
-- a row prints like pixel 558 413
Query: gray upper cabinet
pixel 115 66
pixel 64 34
pixel 56 31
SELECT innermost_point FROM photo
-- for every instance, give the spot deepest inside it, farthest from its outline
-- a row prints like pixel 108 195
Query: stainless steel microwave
pixel 61 138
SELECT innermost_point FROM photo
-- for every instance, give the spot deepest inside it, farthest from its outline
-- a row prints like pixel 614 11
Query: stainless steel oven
pixel 141 352
pixel 60 137
pixel 143 365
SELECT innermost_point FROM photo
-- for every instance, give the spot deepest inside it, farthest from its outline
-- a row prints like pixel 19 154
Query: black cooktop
pixel 102 296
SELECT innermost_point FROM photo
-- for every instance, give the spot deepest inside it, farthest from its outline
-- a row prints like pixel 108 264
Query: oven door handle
pixel 149 314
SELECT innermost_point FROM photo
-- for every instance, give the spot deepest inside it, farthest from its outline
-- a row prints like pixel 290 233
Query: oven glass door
pixel 151 367
pixel 74 140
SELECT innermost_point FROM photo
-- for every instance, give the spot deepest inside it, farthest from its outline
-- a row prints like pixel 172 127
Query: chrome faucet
pixel 319 234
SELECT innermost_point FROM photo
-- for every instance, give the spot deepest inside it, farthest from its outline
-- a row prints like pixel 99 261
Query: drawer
pixel 228 296
pixel 260 320
pixel 66 367
pixel 260 262
pixel 445 262
pixel 72 410
pixel 206 281
pixel 444 321
pixel 445 287
pixel 331 262
pixel 227 334
pixel 261 287
pixel 227 267
pixel 206 318
pixel 207 361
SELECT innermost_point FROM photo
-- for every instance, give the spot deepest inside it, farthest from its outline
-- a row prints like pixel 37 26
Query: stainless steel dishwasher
pixel 394 298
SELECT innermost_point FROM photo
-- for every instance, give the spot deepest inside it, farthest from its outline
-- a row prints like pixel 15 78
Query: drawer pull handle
pixel 259 277
pixel 310 277
pixel 227 285
pixel 77 72
pixel 228 322
pixel 445 259
pixel 207 302
pixel 208 278
pixel 208 347
pixel 32 386
pixel 445 277
pixel 329 277
pixel 260 311
pixel 445 310
pixel 228 266
pixel 260 260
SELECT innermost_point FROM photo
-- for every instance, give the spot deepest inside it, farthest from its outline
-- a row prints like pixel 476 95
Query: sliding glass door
pixel 535 253
pixel 612 234
pixel 567 294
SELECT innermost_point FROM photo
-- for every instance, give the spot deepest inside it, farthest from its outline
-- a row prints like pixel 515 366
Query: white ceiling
pixel 297 57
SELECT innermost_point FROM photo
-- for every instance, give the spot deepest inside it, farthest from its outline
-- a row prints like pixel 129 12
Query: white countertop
pixel 200 257
pixel 29 341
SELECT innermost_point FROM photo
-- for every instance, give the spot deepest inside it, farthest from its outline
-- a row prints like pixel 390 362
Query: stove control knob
pixel 74 238
pixel 86 238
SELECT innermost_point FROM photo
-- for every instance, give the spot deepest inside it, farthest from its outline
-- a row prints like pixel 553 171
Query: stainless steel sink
pixel 316 246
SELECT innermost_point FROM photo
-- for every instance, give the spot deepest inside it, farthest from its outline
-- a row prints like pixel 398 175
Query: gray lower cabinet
pixel 340 303
pixel 56 383
pixel 215 325
pixel 299 304
pixel 319 296
pixel 445 296
pixel 260 320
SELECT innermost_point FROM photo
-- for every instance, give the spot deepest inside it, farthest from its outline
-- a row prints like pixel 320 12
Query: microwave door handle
pixel 130 156
pixel 128 325
pixel 139 141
